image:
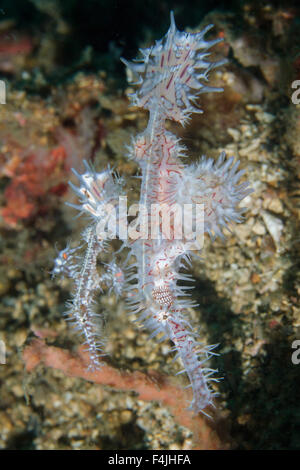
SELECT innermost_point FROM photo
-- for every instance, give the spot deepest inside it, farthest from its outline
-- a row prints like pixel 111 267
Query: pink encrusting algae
pixel 171 74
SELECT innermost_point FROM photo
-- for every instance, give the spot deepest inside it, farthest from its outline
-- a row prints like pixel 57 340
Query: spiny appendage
pixel 114 277
pixel 161 305
pixel 81 307
pixel 172 71
pixel 194 358
pixel 215 185
pixel 97 193
pixel 64 262
pixel 163 313
pixel 96 190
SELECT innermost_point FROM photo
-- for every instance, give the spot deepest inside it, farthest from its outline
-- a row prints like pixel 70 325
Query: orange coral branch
pixel 149 387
